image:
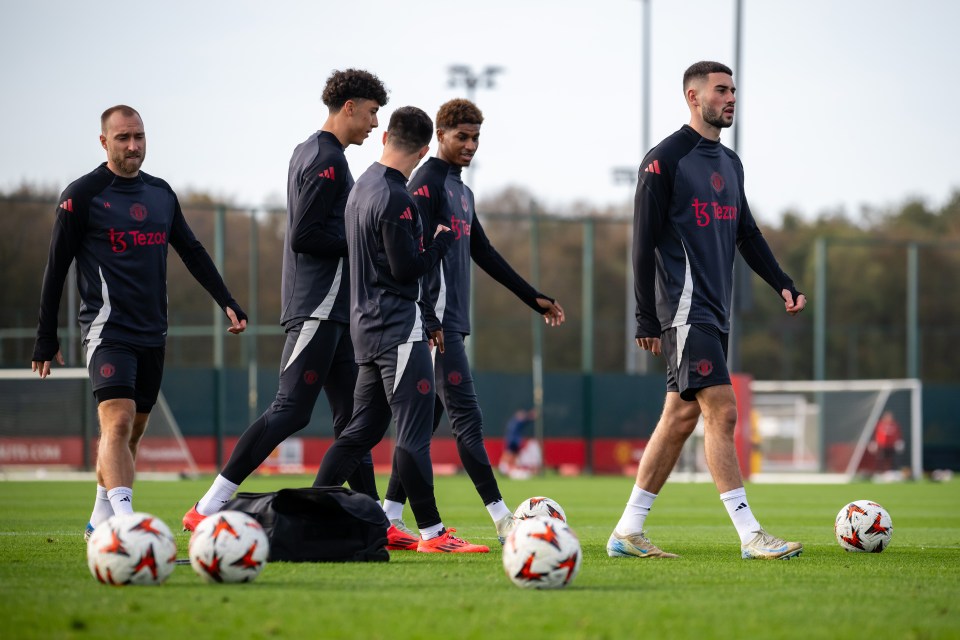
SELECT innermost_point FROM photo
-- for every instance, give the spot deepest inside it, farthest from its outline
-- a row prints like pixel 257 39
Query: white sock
pixel 393 510
pixel 102 509
pixel 498 510
pixel 219 492
pixel 739 509
pixel 429 533
pixel 121 499
pixel 636 512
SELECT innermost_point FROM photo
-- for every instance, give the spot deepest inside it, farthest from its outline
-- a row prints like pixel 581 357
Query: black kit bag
pixel 318 524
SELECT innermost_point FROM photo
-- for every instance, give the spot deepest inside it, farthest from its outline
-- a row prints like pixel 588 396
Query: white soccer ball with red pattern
pixel 863 526
pixel 136 548
pixel 541 553
pixel 229 546
pixel 540 507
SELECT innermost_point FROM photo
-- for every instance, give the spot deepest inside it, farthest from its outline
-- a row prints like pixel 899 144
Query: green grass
pixel 911 590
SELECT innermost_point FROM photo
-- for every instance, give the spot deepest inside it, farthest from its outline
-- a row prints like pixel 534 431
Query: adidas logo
pixel 422 191
pixel 125 499
pixel 742 505
pixel 328 173
pixel 407 214
pixel 67 205
pixel 653 167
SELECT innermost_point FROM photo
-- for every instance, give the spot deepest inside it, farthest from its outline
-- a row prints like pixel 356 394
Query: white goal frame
pixel 162 408
pixel 883 388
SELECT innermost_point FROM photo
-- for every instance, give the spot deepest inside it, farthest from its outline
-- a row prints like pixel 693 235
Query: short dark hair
pixel 700 70
pixel 410 129
pixel 352 84
pixel 124 111
pixel 456 112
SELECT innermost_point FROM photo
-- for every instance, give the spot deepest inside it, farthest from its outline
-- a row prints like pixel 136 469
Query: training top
pixel 315 266
pixel 387 260
pixel 442 198
pixel 118 229
pixel 690 215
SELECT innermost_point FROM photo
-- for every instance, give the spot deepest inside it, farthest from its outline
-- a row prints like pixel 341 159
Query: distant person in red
pixel 887 441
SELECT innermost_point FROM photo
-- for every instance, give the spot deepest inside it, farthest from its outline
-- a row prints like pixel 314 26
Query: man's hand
pixel 649 344
pixel 554 315
pixel 792 306
pixel 236 326
pixel 440 229
pixel 43 366
pixel 436 339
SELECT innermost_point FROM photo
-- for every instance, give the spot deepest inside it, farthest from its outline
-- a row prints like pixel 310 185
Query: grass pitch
pixel 911 590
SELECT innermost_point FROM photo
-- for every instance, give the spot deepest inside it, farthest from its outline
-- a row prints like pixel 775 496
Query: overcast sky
pixel 843 103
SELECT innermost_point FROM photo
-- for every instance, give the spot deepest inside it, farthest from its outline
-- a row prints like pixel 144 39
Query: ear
pixel 103 141
pixel 349 107
pixel 692 95
pixel 439 135
pixel 424 151
pixel 385 137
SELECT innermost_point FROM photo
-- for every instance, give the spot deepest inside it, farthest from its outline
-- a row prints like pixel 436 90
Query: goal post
pixel 827 425
pixel 51 423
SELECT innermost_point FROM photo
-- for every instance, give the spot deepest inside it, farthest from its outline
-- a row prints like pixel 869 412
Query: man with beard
pixel 116 222
pixel 690 216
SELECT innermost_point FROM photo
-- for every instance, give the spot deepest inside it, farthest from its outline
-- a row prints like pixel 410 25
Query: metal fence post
pixel 219 371
pixel 537 330
pixel 586 339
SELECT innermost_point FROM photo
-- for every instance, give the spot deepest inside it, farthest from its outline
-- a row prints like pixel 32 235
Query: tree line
pixel 866 306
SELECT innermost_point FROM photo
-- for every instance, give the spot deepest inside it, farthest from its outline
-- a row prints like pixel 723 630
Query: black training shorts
pixel 696 356
pixel 119 370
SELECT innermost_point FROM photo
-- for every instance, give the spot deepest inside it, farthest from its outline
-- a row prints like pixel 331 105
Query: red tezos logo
pixel 454 378
pixel 705 211
pixel 107 370
pixel 459 227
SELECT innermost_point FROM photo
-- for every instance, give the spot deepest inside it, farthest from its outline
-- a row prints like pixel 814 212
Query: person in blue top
pixel 513 438
pixel 117 223
pixel 690 217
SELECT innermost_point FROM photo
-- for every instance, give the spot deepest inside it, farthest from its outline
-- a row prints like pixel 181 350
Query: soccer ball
pixel 541 553
pixel 135 548
pixel 540 506
pixel 863 526
pixel 229 546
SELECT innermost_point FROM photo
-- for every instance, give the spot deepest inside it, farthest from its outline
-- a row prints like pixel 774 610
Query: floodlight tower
pixel 635 360
pixel 742 297
pixel 463 75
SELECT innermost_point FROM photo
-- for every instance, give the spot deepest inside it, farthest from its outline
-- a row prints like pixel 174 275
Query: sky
pixel 840 103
